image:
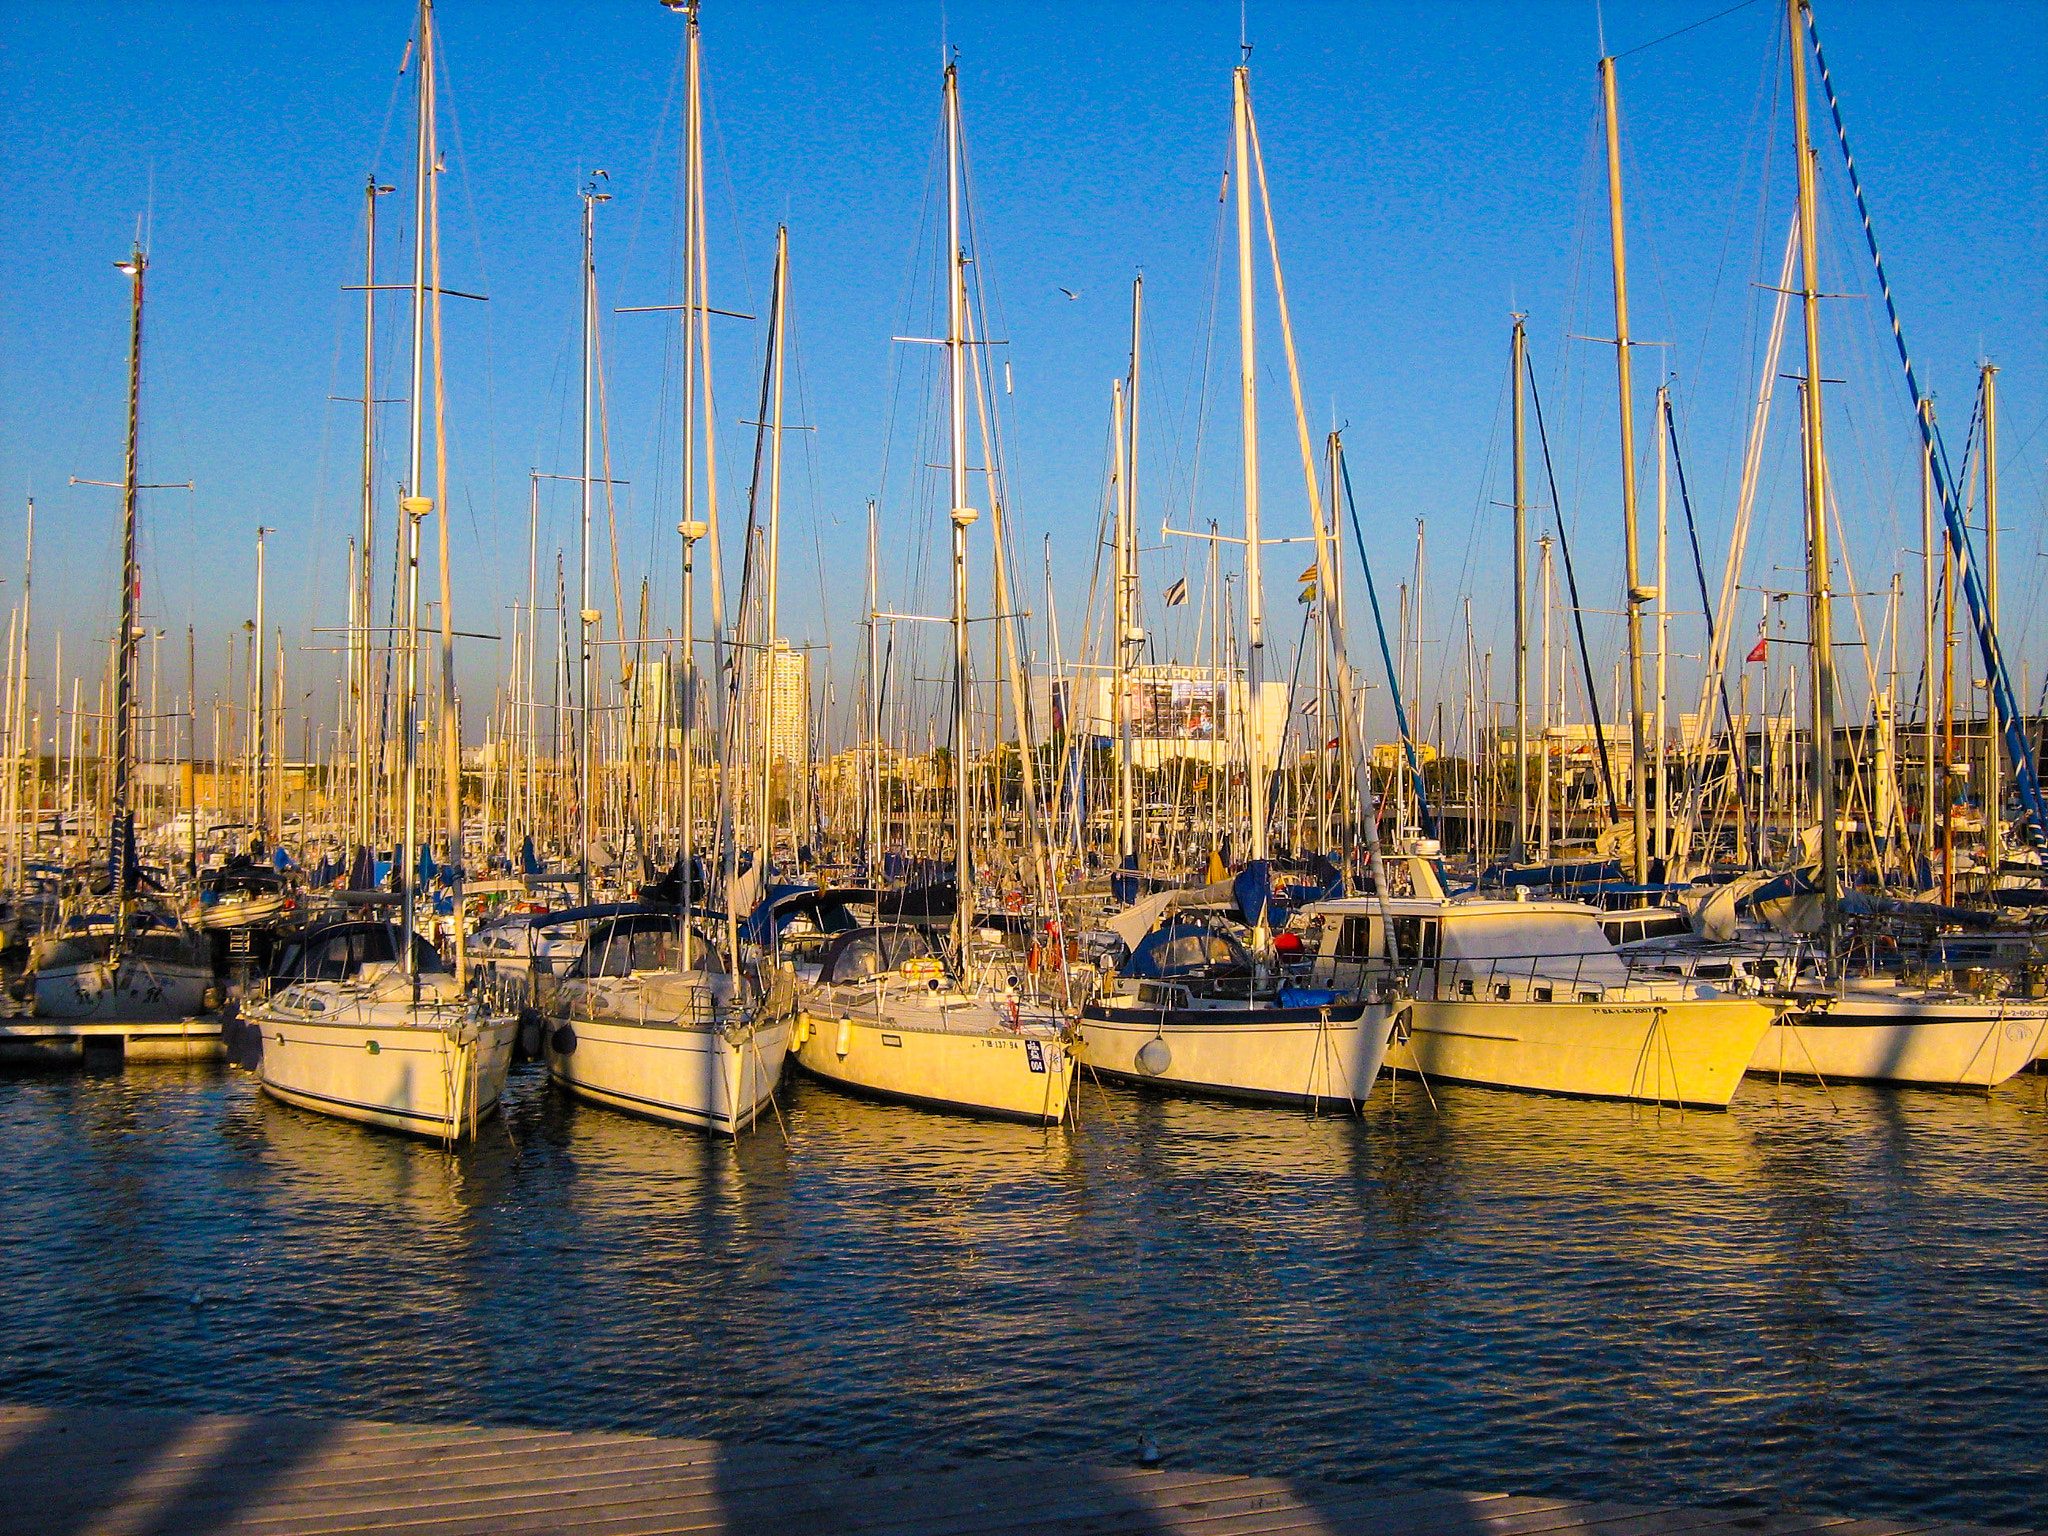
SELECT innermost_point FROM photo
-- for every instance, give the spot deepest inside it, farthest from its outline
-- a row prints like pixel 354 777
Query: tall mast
pixel 1637 594
pixel 769 657
pixel 359 642
pixel 1543 765
pixel 690 528
pixel 1994 796
pixel 1129 636
pixel 871 714
pixel 1248 404
pixel 262 712
pixel 28 753
pixel 963 515
pixel 124 647
pixel 1931 780
pixel 1820 615
pixel 1123 622
pixel 585 619
pixel 1663 776
pixel 413 504
pixel 1517 352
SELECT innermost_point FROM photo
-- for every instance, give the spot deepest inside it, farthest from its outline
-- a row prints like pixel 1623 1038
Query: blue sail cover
pixel 1253 892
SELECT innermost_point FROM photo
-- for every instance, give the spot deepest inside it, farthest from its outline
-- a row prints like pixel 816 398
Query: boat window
pixel 1354 940
pixel 1415 938
pixel 1720 971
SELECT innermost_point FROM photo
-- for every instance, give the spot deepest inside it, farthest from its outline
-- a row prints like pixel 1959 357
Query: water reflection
pixel 1826 1300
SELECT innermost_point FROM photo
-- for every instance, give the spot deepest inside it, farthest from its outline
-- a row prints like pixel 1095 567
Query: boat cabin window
pixel 1354 940
pixel 1633 930
pixel 1416 939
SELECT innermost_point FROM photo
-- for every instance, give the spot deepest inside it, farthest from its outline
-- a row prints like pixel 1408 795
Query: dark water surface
pixel 1812 1302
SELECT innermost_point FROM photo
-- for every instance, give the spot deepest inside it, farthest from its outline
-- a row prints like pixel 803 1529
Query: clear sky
pixel 1434 167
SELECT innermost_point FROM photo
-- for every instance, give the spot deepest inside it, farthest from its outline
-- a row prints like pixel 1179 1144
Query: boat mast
pixel 1248 405
pixel 124 648
pixel 963 515
pixel 1517 353
pixel 1927 644
pixel 1123 622
pixel 1660 759
pixel 414 505
pixel 1820 616
pixel 262 711
pixel 1543 580
pixel 1130 638
pixel 1994 795
pixel 871 714
pixel 585 617
pixel 26 756
pixel 1637 593
pixel 359 642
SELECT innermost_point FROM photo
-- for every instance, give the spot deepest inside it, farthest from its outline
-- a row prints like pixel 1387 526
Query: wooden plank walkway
pixel 101 1472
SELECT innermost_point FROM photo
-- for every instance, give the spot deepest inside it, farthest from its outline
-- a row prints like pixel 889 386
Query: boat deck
pixel 94 1472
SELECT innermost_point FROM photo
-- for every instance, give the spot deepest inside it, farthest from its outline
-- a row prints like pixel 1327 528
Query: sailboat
pixel 130 977
pixel 652 1018
pixel 897 1012
pixel 365 1022
pixel 1878 1028
pixel 1193 1007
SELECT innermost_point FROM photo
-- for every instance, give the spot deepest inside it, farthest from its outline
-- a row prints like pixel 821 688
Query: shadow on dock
pixel 97 1472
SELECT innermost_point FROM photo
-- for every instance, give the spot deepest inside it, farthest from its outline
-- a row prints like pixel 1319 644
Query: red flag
pixel 1760 650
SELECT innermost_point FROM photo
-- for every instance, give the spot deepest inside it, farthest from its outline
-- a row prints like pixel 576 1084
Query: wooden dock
pixel 100 1472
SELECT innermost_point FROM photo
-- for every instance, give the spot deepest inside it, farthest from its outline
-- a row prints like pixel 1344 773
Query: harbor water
pixel 1822 1300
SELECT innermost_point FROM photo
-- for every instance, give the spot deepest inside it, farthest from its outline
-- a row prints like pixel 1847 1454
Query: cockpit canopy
pixel 340 950
pixel 1187 947
pixel 646 941
pixel 868 952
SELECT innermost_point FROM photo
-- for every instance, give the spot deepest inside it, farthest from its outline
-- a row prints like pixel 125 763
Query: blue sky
pixel 1433 168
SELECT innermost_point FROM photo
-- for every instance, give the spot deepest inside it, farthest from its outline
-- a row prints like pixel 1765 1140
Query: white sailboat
pixel 1193 1008
pixel 129 978
pixel 364 1023
pixel 890 1015
pixel 651 1018
pixel 1878 1028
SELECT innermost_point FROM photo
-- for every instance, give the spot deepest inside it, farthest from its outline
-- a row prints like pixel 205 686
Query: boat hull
pixel 434 1079
pixel 1685 1051
pixel 1315 1057
pixel 994 1073
pixel 1931 1043
pixel 133 989
pixel 681 1074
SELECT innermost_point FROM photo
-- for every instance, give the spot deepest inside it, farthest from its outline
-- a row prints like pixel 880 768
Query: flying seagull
pixel 1070 293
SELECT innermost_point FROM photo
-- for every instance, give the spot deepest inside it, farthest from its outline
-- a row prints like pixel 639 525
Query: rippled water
pixel 1813 1301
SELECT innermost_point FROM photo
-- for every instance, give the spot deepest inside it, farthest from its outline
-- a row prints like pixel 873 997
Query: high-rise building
pixel 784 700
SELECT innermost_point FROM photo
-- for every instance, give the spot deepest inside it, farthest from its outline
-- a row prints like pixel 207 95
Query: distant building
pixel 783 703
